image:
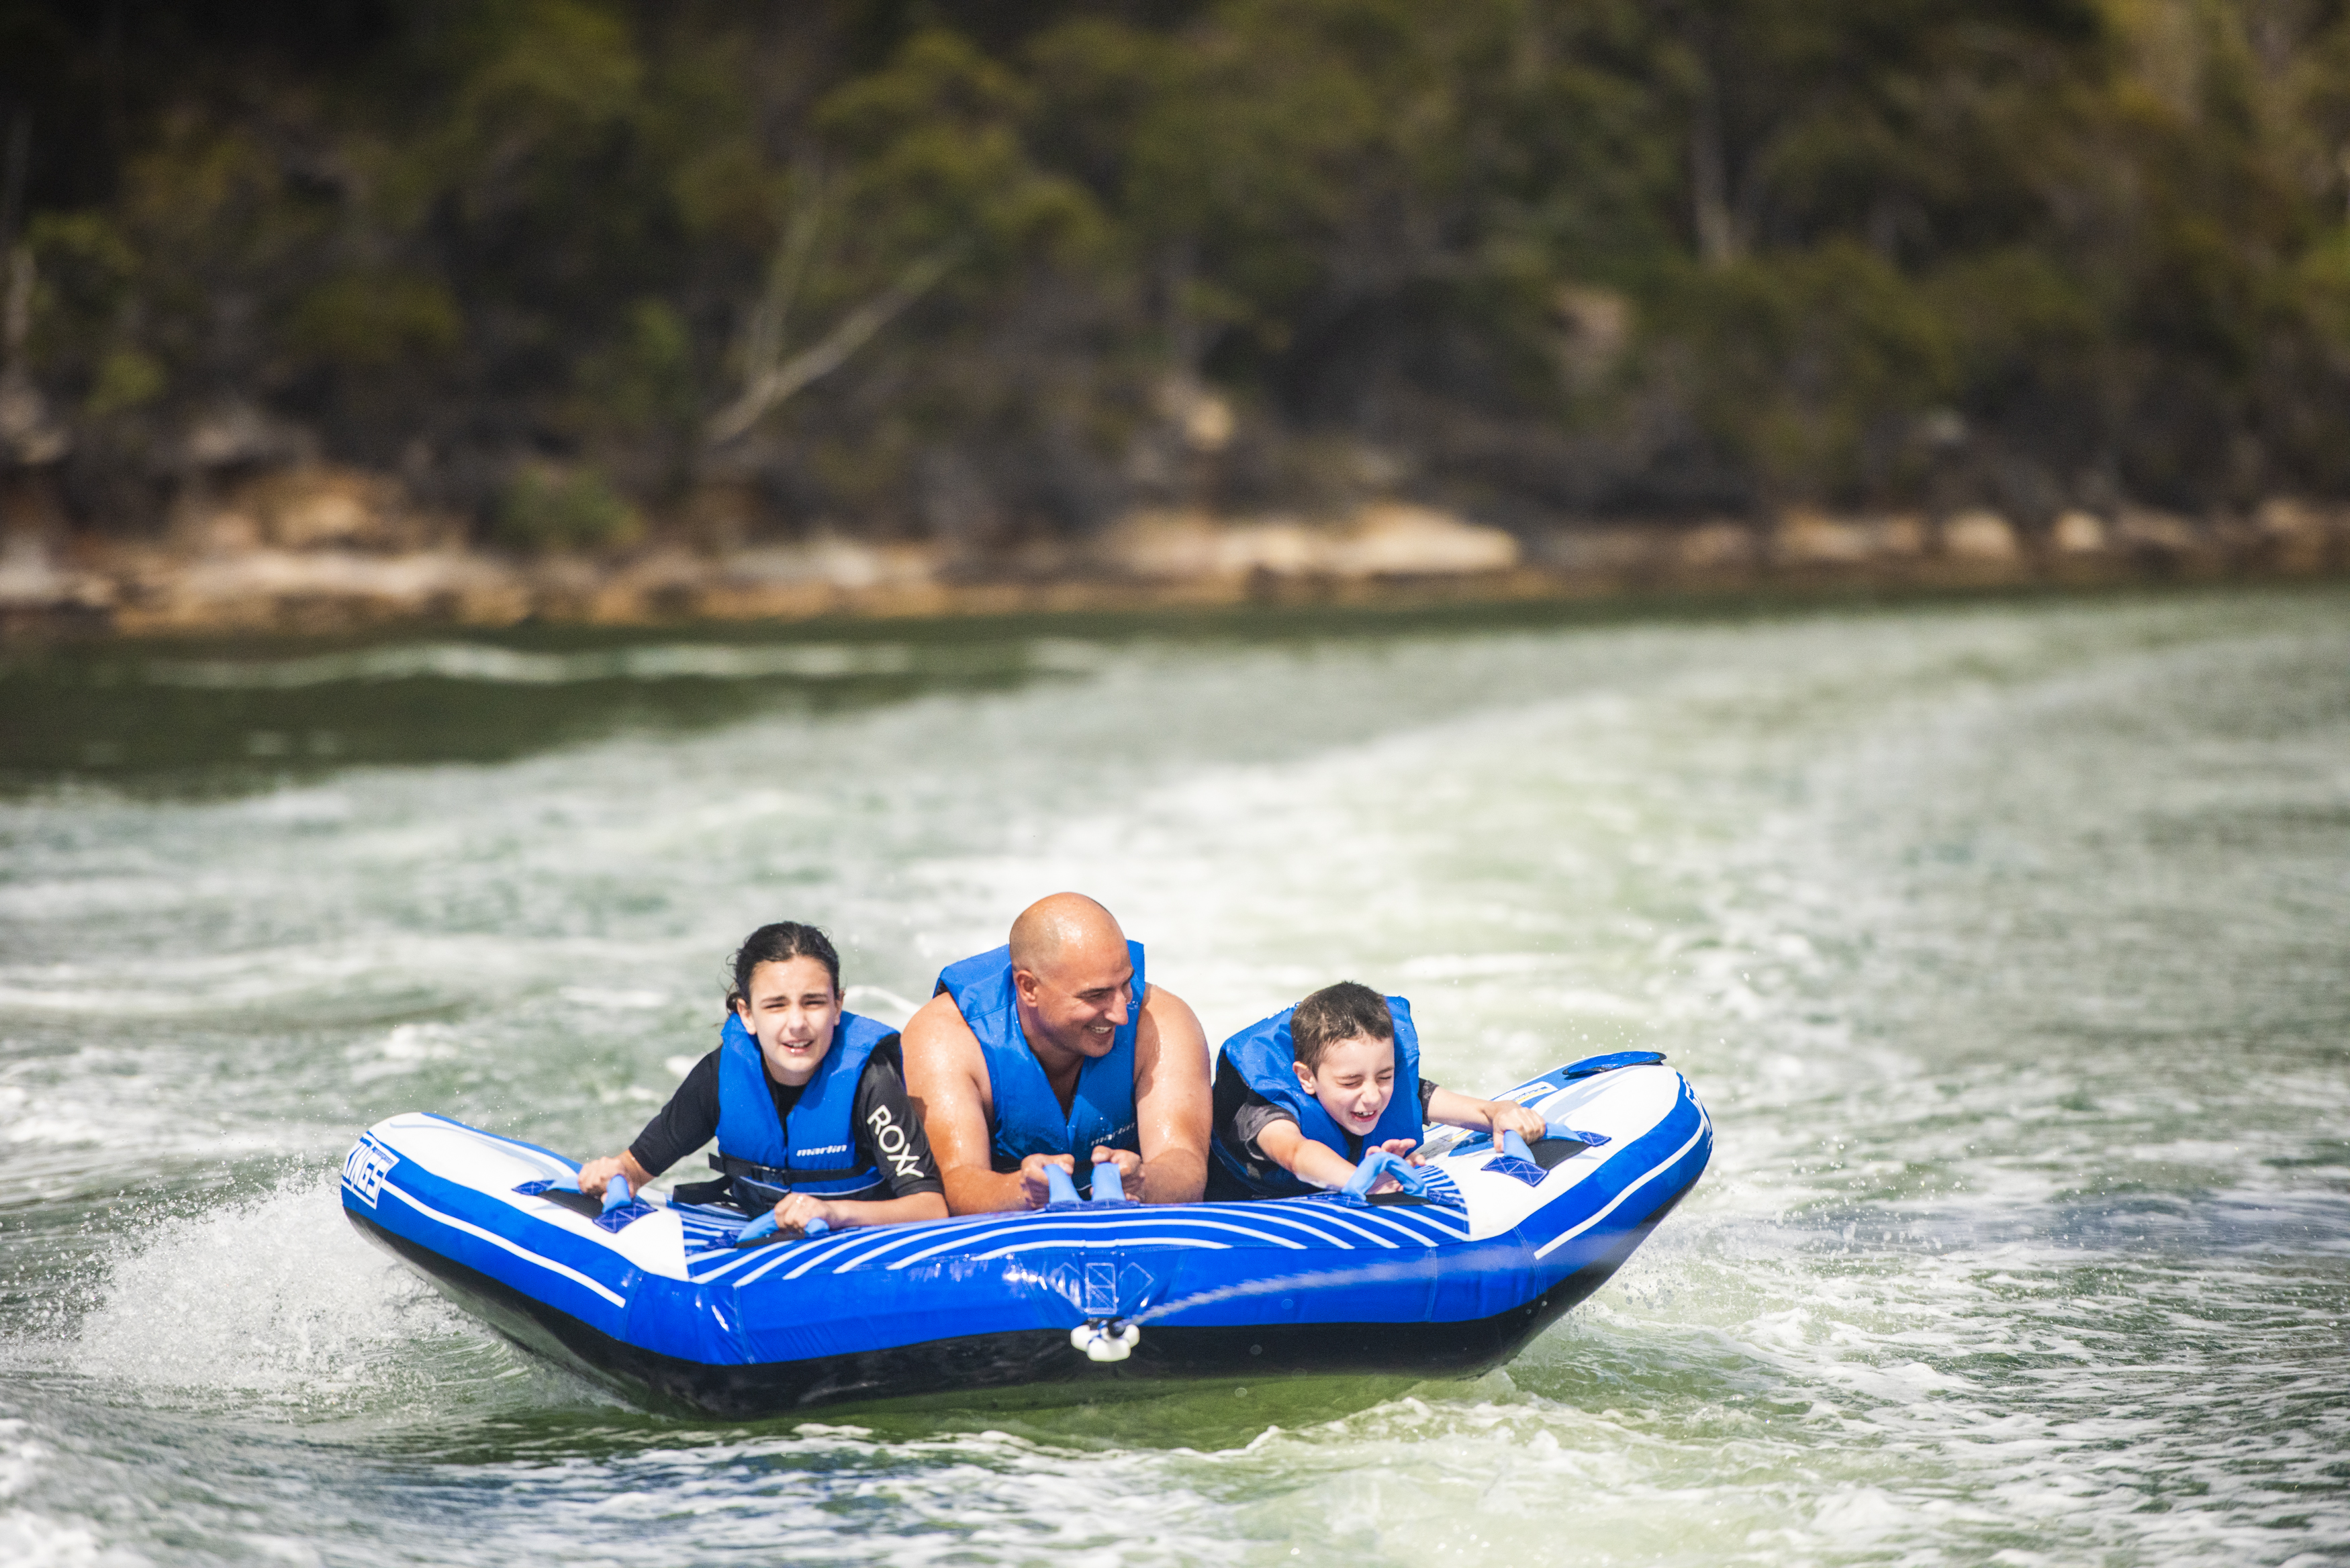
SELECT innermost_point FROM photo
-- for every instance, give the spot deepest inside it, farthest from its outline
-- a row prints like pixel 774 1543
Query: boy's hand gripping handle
pixel 1381 1162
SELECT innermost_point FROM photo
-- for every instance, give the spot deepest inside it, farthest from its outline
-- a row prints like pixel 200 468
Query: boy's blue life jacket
pixel 1028 1117
pixel 1265 1056
pixel 814 1149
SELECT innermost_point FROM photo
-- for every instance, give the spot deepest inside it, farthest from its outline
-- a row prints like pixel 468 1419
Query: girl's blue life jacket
pixel 1026 1117
pixel 1265 1056
pixel 814 1150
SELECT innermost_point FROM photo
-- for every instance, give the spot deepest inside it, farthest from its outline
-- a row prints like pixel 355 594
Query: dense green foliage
pixel 985 271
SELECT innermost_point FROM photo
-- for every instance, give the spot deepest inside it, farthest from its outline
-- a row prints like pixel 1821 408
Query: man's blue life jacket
pixel 814 1150
pixel 1265 1056
pixel 1028 1117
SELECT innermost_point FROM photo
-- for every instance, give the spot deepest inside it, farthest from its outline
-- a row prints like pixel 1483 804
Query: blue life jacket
pixel 814 1149
pixel 1265 1056
pixel 1028 1117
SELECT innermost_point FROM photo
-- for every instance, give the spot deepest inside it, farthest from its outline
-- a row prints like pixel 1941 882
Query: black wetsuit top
pixel 691 1120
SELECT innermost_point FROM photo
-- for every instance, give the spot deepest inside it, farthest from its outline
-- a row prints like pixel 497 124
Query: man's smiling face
pixel 1079 997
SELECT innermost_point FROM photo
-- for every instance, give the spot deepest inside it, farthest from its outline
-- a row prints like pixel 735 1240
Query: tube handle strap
pixel 1381 1162
pixel 764 1228
pixel 1109 1185
pixel 1061 1185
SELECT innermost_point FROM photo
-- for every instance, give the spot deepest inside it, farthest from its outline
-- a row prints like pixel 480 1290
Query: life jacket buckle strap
pixel 773 1176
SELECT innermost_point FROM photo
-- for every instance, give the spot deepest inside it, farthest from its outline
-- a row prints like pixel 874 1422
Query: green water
pixel 2009 945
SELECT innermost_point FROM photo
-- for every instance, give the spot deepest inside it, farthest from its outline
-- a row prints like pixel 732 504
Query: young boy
pixel 1303 1096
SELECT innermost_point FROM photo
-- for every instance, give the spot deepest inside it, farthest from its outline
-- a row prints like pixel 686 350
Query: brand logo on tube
pixel 365 1168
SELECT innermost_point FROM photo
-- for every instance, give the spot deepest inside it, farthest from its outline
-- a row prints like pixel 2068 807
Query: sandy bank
pixel 334 551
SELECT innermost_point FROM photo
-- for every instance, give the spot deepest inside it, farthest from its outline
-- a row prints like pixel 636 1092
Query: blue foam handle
pixel 1560 1130
pixel 1109 1185
pixel 1381 1162
pixel 562 1184
pixel 615 1193
pixel 764 1226
pixel 1515 1146
pixel 1061 1185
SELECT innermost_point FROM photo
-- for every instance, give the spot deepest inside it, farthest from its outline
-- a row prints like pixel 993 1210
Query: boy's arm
pixel 1316 1164
pixel 1496 1116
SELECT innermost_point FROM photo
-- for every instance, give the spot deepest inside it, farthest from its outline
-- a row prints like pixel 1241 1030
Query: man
pixel 1052 1049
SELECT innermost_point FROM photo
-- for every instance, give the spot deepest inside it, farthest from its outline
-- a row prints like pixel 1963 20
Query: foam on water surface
pixel 269 1301
pixel 2006 946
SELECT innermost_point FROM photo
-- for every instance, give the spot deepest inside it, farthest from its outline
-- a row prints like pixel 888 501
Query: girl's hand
pixel 596 1174
pixel 798 1209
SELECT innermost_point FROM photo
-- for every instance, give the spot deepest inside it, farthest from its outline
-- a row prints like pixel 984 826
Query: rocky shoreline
pixel 327 551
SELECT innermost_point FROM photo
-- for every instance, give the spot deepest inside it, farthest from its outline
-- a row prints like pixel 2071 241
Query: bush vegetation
pixel 983 271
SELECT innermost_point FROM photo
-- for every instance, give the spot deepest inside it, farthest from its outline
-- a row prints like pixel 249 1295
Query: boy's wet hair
pixel 1337 1012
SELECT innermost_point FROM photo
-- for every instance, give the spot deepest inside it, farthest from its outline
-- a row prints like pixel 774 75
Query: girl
pixel 807 1103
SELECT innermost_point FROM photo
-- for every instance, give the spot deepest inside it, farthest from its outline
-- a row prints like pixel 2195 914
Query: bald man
pixel 1053 1050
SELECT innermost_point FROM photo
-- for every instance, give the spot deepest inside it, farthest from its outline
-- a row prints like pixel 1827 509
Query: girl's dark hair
pixel 774 944
pixel 1337 1012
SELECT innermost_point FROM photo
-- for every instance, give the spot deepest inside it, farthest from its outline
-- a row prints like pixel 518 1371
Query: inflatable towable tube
pixel 657 1299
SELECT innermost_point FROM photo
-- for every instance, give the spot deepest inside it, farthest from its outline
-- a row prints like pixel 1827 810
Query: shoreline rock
pixel 324 551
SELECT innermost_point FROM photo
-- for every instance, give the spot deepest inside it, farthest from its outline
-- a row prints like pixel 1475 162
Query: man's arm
pixel 1172 1102
pixel 946 1074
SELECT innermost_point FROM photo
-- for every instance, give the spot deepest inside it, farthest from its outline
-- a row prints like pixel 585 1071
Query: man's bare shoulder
pixel 1171 1031
pixel 937 1035
pixel 1157 1002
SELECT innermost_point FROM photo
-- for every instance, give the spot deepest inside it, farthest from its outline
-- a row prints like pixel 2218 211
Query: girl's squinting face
pixel 790 1010
pixel 1353 1083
